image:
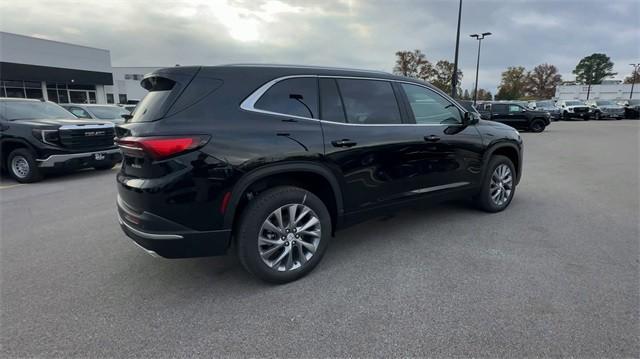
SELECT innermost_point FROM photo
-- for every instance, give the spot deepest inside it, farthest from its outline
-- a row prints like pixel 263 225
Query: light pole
pixel 633 78
pixel 479 38
pixel 454 76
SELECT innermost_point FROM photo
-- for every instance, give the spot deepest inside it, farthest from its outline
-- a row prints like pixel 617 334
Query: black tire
pixel 537 125
pixel 565 116
pixel 483 199
pixel 105 167
pixel 26 169
pixel 597 116
pixel 251 222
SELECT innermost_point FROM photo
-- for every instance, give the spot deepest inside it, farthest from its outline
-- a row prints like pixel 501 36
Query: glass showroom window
pixel 21 89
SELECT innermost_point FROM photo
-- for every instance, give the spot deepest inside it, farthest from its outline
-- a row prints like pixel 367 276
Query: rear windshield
pixel 153 106
pixel 31 110
pixel 108 112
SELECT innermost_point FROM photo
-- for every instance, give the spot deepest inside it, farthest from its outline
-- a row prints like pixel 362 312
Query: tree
pixel 542 81
pixel 483 95
pixel 593 69
pixel 513 84
pixel 412 64
pixel 466 96
pixel 630 79
pixel 442 75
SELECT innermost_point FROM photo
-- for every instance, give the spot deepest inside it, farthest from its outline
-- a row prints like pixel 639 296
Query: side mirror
pixel 563 106
pixel 523 110
pixel 127 117
pixel 466 119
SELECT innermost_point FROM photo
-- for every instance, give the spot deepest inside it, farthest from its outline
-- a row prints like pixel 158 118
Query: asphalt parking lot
pixel 556 274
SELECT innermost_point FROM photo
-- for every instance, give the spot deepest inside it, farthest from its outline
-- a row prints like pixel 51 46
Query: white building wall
pixel 28 50
pixel 598 92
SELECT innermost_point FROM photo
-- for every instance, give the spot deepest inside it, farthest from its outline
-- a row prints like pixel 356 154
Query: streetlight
pixel 454 76
pixel 479 38
pixel 633 78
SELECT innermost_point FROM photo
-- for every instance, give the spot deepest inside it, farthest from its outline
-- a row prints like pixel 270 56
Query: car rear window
pixel 296 97
pixel 369 102
pixel 153 104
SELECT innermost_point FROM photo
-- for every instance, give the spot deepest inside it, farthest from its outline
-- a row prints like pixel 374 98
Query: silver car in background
pixel 109 113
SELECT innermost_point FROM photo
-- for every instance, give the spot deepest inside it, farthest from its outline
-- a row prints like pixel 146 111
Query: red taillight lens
pixel 160 147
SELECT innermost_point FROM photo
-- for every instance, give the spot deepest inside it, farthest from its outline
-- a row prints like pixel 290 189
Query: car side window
pixel 296 97
pixel 499 108
pixel 515 108
pixel 331 108
pixel 369 101
pixel 78 112
pixel 429 107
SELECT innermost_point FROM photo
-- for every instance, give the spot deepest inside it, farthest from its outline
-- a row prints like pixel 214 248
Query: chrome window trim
pixel 248 104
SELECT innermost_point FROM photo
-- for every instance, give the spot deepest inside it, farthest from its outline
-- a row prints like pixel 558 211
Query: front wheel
pixel 537 125
pixel 22 166
pixel 596 116
pixel 283 234
pixel 499 185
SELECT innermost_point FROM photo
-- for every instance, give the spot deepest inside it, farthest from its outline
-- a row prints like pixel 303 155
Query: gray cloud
pixel 350 33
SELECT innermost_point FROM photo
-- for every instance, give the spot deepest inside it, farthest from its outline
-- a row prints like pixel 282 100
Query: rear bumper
pixel 79 160
pixel 173 241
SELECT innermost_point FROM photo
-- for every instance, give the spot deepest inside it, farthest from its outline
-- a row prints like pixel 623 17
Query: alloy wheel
pixel 501 185
pixel 289 237
pixel 20 166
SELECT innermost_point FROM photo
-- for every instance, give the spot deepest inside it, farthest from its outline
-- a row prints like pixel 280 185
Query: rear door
pixel 366 140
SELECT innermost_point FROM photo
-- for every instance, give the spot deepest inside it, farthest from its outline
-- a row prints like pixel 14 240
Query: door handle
pixel 432 138
pixel 344 143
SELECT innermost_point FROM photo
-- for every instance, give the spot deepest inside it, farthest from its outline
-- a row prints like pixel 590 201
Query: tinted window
pixel 515 108
pixel 78 112
pixel 108 112
pixel 331 108
pixel 369 101
pixel 496 107
pixel 429 107
pixel 27 110
pixel 296 97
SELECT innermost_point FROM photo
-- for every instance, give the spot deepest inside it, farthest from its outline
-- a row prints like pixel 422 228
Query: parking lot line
pixel 11 185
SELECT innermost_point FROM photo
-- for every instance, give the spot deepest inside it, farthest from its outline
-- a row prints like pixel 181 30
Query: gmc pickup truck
pixel 37 137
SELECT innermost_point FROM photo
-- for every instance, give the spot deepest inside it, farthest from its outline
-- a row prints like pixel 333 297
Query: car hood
pixel 59 122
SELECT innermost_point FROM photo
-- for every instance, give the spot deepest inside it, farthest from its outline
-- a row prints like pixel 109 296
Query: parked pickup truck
pixel 515 115
pixel 39 136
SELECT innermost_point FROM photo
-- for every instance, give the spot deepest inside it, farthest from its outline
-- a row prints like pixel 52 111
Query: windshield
pixel 574 103
pixel 634 102
pixel 29 110
pixel 545 104
pixel 108 112
pixel 604 103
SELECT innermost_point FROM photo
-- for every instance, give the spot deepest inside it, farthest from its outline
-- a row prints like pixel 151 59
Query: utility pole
pixel 479 38
pixel 633 78
pixel 454 77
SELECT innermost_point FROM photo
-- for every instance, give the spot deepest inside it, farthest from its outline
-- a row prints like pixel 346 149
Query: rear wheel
pixel 283 234
pixel 23 167
pixel 537 125
pixel 499 185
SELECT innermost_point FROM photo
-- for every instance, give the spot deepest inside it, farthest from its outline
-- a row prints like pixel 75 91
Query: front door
pixel 450 152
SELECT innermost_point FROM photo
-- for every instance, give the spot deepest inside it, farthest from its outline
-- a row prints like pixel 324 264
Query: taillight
pixel 160 147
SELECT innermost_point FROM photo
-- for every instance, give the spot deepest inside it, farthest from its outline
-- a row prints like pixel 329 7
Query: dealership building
pixel 64 73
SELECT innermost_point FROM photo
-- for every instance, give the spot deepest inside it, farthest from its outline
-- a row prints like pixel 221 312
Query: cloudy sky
pixel 348 33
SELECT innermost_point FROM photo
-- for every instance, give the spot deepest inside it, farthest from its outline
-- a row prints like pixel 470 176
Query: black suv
pixel 276 159
pixel 38 137
pixel 516 116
